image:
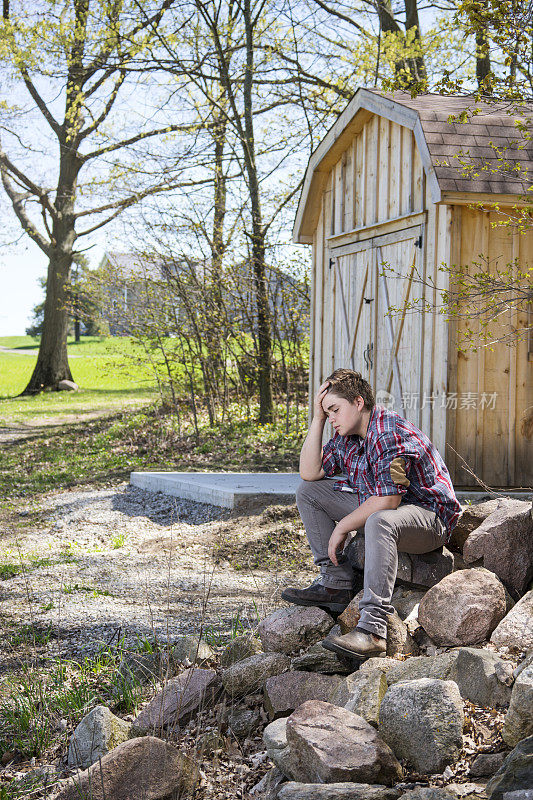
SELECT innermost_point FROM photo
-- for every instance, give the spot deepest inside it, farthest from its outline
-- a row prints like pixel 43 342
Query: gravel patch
pixel 101 565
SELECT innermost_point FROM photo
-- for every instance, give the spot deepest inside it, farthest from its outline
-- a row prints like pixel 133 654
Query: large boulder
pixel 144 767
pixel 318 659
pixel 518 723
pixel 187 648
pixel 516 628
pixel 405 599
pixel 98 732
pixel 422 721
pixel 331 744
pixel 335 791
pixel 482 677
pixel 240 648
pixel 289 629
pixel 429 793
pixel 470 519
pixel 504 542
pixel 278 750
pixel 285 692
pixel 515 773
pixel 361 693
pixel 438 667
pixel 249 675
pixel 464 608
pixel 139 668
pixel 181 697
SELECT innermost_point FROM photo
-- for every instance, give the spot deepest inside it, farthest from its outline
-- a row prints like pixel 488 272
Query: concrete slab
pixel 227 489
pixel 247 489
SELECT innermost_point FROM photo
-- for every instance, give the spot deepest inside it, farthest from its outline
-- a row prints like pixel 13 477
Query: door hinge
pixel 418 242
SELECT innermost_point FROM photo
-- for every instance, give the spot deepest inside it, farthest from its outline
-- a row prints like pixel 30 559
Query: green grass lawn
pixel 114 425
pixel 110 373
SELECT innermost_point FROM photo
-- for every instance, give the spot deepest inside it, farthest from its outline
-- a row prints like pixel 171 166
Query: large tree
pixel 93 149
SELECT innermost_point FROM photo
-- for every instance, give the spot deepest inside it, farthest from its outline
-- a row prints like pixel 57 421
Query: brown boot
pixel 357 644
pixel 334 600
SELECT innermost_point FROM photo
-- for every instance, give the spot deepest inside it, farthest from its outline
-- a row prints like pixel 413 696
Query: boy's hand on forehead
pixel 318 407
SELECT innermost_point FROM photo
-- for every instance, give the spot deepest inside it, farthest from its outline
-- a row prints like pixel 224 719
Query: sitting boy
pixel 396 488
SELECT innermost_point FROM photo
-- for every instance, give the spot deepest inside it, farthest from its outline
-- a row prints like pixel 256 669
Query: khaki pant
pixel 409 529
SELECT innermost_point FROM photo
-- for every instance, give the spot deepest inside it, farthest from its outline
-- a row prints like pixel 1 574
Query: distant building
pixel 129 283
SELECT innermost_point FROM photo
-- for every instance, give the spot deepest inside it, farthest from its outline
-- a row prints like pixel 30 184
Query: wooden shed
pixel 387 185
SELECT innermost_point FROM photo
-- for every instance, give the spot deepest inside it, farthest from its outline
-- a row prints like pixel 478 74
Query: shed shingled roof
pixel 454 145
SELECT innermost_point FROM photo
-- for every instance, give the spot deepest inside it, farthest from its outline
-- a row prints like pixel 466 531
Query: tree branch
pixel 139 137
pixel 39 102
pixel 17 201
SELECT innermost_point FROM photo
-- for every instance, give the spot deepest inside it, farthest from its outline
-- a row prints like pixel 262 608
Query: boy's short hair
pixel 349 384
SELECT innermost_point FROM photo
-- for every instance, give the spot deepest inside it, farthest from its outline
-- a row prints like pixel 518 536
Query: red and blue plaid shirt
pixel 366 463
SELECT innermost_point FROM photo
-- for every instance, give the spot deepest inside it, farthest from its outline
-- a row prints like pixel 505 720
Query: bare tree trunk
pixel 412 22
pixel 264 335
pixel 409 71
pixel 52 361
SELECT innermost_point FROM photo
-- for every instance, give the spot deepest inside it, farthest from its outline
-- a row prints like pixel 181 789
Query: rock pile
pixel 385 728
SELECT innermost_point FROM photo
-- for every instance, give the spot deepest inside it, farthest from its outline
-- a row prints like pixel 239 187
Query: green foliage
pixel 32 708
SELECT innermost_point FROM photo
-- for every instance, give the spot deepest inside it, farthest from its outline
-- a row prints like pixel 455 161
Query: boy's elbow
pixel 305 475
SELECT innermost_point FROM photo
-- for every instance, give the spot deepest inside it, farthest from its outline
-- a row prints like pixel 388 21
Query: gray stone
pixel 464 608
pixel 470 519
pixel 190 648
pixel 187 694
pixel 275 734
pixel 144 767
pixel 429 793
pixel 422 721
pixel 290 766
pixel 504 542
pixel 267 788
pixel 284 693
pixel 244 721
pixel 289 629
pixel 486 764
pixel 318 659
pixel 399 640
pixel 336 791
pixel 362 693
pixel 477 673
pixel 249 675
pixel 98 732
pixel 68 386
pixel 518 723
pixel 405 599
pixel 526 661
pixel 240 648
pixel 439 667
pixel 384 664
pixel 519 794
pixel 139 667
pixel 516 628
pixel 516 772
pixel 330 745
pixel 430 568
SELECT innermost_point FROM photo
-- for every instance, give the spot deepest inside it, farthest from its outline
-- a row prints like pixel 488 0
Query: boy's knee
pixel 380 520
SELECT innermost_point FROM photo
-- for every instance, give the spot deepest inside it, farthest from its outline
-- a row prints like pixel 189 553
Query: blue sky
pixel 21 266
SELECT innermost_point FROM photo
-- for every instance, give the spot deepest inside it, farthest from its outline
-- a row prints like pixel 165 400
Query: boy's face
pixel 346 418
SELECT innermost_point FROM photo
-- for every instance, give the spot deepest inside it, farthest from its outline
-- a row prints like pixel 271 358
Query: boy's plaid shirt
pixel 367 465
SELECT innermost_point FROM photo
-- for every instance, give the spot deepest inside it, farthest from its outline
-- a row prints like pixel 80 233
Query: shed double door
pixel 379 323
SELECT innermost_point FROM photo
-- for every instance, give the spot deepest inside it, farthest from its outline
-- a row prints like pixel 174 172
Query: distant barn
pixel 387 185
